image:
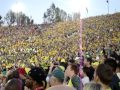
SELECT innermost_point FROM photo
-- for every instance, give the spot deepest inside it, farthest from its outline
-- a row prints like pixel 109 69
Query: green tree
pixel 1 21
pixel 54 14
pixel 58 18
pixel 63 15
pixel 10 18
pixel 28 20
pixel 0 17
pixel 31 21
pixel 23 19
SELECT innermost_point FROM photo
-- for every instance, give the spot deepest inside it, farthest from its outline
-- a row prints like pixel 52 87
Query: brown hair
pixel 75 68
pixel 14 84
pixel 104 72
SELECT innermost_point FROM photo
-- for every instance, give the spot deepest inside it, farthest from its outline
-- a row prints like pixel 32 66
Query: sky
pixel 36 8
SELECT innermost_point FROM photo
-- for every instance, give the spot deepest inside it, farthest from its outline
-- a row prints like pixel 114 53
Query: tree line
pixel 55 14
pixel 12 18
pixel 52 15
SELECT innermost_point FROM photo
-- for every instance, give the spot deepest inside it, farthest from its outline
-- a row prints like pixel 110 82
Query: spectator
pixel 13 74
pixel 14 84
pixel 72 72
pixel 95 64
pixel 87 63
pixel 22 74
pixel 57 77
pixel 103 76
pixel 56 74
pixel 71 61
pixel 37 77
pixel 28 84
pixel 85 78
pixel 118 74
pixel 115 79
pixel 112 63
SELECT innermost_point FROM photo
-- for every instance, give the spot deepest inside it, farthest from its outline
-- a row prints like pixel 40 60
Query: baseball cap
pixel 59 74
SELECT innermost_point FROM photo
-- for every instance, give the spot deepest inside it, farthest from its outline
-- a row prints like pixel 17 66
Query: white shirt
pixel 85 80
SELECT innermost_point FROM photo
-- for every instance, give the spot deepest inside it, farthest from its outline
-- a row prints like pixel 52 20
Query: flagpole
pixel 86 12
pixel 80 43
pixel 108 5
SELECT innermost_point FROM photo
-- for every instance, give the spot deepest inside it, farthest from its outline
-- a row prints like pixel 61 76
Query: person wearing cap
pixel 56 77
pixel 37 78
pixel 56 73
pixel 22 73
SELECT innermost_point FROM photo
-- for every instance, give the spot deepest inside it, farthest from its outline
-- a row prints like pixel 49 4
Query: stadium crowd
pixel 32 58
